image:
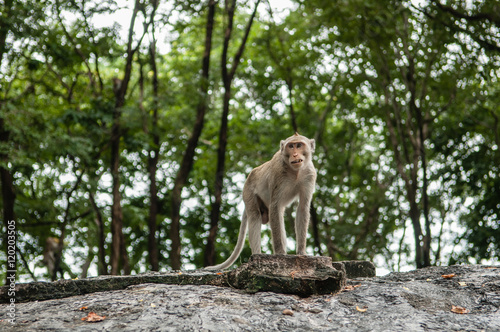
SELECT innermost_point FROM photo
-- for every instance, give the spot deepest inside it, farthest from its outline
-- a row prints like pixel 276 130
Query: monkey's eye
pixel 290 146
pixel 299 145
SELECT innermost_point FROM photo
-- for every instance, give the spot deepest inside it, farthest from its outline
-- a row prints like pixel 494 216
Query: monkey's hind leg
pixel 254 230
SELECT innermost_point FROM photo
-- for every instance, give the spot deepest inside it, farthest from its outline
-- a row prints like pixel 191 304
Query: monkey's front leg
pixel 278 233
pixel 301 224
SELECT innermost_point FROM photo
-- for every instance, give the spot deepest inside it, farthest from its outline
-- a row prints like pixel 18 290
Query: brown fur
pixel 271 187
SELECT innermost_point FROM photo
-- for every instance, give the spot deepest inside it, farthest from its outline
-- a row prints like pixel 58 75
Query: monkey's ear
pixel 282 145
pixel 312 142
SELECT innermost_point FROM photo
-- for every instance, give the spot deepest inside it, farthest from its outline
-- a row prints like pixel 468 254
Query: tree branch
pixel 239 54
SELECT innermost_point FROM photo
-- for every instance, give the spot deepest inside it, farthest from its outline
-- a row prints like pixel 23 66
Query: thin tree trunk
pixel 407 150
pixel 8 192
pixel 116 209
pixel 153 167
pixel 425 195
pixel 417 231
pixel 293 117
pixel 27 267
pixel 5 26
pixel 418 138
pixel 420 135
pixel 102 266
pixel 119 257
pixel 209 258
pixel 411 186
pixel 188 158
pixel 8 200
pixel 58 261
pixel 227 78
pixel 315 224
pixel 88 261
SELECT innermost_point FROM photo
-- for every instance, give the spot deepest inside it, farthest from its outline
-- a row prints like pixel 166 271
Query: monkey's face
pixel 295 153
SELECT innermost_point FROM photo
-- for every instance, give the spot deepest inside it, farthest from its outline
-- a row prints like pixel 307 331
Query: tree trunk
pixel 118 248
pixel 315 228
pixel 411 182
pixel 8 193
pixel 408 147
pixel 8 200
pixel 102 266
pixel 188 158
pixel 417 230
pixel 116 210
pixel 418 140
pixel 209 258
pixel 153 167
pixel 119 257
pixel 293 117
pixel 425 184
pixel 5 26
pixel 58 254
pixel 227 79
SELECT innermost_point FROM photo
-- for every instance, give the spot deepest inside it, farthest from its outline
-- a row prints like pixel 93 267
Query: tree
pixel 475 29
pixel 154 155
pixel 188 158
pixel 10 32
pixel 227 79
pixel 400 97
pixel 120 86
pixel 483 20
pixel 398 77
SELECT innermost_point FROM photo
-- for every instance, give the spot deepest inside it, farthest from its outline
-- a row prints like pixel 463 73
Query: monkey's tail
pixel 237 250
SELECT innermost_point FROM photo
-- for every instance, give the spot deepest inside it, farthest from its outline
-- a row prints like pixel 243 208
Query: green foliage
pixel 342 66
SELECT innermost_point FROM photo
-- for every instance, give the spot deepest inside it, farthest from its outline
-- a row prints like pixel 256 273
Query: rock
pixel 419 300
pixel 39 291
pixel 288 274
pixel 356 269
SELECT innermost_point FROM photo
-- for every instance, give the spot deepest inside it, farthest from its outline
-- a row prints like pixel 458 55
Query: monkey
pixel 269 189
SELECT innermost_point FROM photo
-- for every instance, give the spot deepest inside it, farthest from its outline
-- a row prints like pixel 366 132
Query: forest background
pixel 127 152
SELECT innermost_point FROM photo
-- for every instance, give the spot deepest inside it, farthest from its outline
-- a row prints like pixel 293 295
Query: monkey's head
pixel 297 151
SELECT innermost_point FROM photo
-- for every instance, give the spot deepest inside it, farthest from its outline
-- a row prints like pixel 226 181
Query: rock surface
pixel 420 300
pixel 289 274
